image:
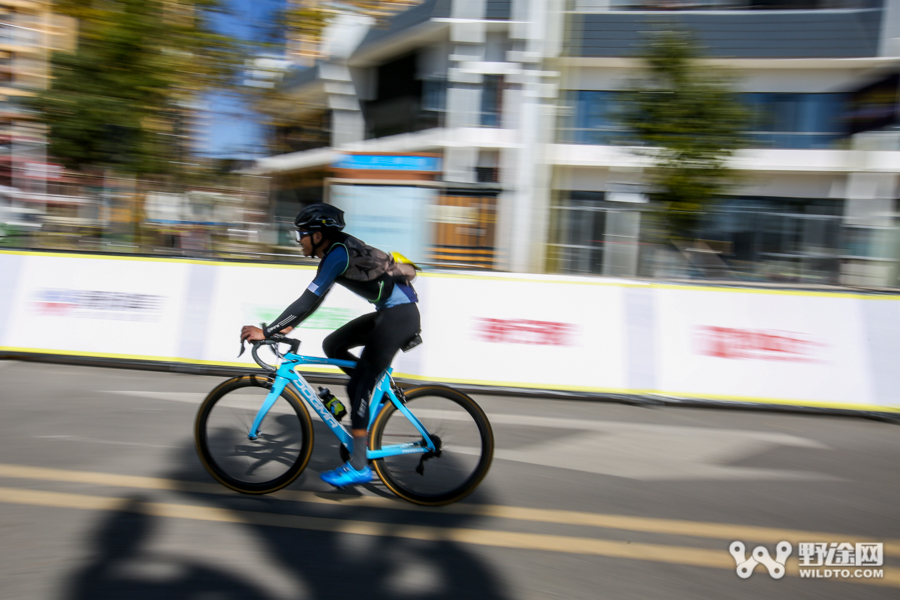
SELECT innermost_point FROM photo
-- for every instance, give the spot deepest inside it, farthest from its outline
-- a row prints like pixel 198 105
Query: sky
pixel 234 131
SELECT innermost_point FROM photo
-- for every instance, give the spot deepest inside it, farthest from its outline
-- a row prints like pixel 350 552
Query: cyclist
pixel 378 278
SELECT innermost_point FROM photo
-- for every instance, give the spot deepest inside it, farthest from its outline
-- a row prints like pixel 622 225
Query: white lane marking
pixel 250 399
pixel 76 438
pixel 620 426
pixel 188 397
pixel 640 451
pixel 648 452
pixel 666 457
pixel 526 420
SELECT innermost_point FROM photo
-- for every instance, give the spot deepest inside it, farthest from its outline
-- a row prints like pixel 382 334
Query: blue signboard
pixel 378 162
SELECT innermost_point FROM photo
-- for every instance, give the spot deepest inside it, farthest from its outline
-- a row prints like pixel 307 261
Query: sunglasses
pixel 299 235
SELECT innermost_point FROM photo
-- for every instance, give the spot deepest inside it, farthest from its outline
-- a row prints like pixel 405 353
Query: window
pixel 590 118
pixel 778 120
pixel 787 239
pixel 491 100
pixel 802 121
pixel 434 101
pixel 487 170
pixel 22 34
pixel 578 224
pixel 398 106
pixel 591 233
pixel 434 94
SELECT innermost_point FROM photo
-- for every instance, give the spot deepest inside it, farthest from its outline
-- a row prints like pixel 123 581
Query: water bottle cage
pixel 334 406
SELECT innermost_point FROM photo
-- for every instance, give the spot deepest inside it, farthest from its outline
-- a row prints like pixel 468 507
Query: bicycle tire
pixel 271 462
pixel 466 440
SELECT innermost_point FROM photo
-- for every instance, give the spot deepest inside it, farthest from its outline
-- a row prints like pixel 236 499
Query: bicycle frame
pixel 286 374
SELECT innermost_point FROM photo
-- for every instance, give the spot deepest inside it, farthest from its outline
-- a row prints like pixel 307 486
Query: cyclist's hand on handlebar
pixel 251 333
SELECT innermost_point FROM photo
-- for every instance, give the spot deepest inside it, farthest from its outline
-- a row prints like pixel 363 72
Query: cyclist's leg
pixel 350 335
pixel 393 328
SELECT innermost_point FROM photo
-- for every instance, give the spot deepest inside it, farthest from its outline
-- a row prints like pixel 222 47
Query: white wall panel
pixel 761 346
pixel 532 331
pixel 525 332
pixel 99 306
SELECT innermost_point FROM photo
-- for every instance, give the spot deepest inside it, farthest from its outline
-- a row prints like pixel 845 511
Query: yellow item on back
pixel 400 259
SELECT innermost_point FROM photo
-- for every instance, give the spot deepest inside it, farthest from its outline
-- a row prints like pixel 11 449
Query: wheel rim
pixel 270 458
pixel 455 469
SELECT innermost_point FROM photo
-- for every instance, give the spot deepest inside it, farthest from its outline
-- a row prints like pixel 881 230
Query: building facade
pixel 518 99
pixel 29 32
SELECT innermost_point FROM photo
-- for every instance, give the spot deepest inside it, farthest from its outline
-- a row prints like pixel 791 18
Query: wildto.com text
pixel 844 560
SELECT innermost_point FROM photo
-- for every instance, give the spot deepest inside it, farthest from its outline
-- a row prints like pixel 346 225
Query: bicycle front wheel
pixel 456 425
pixel 271 461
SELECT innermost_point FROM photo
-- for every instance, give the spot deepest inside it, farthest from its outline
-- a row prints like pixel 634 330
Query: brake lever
pixel 241 353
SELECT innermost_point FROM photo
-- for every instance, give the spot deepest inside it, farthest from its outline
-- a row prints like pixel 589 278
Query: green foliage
pixel 688 119
pixel 122 99
pixel 307 19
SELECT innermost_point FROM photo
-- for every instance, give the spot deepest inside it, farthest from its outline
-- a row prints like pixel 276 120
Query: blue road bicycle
pixel 430 445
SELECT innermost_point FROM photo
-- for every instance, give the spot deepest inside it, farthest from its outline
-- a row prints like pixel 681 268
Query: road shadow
pixel 123 568
pixel 324 564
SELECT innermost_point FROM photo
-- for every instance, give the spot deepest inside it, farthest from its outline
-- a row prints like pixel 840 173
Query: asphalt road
pixel 102 496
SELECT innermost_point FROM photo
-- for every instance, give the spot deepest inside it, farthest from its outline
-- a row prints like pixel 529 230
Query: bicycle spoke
pixel 464 447
pixel 279 451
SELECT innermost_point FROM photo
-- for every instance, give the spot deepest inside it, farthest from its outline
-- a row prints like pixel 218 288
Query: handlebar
pixel 273 342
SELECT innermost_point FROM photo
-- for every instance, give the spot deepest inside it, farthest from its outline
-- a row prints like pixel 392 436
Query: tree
pixel 689 121
pixel 123 98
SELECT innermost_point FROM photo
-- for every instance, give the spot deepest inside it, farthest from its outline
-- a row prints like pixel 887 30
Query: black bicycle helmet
pixel 319 216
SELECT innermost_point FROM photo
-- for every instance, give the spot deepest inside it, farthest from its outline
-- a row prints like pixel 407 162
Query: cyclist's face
pixel 306 239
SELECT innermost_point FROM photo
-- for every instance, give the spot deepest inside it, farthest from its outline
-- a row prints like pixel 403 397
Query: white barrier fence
pixel 828 350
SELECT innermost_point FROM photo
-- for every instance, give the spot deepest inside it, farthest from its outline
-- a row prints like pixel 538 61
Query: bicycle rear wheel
pixel 460 430
pixel 270 462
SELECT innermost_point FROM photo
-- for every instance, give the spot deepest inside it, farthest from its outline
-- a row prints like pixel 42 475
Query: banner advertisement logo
pixel 525 331
pixel 97 304
pixel 842 555
pixel 730 342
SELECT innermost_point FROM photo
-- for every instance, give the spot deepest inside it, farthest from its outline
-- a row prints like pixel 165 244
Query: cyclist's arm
pixel 332 266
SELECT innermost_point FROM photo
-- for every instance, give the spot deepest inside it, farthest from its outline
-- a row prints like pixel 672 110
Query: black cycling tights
pixel 381 334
